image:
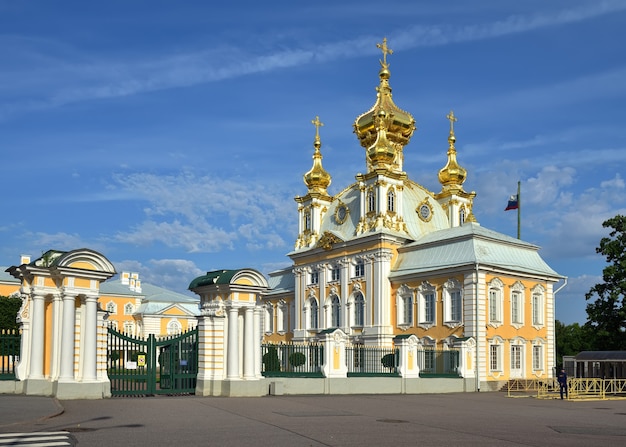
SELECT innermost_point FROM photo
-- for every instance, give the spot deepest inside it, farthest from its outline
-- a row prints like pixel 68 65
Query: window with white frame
pixel 371 201
pixel 335 273
pixel 495 301
pixel 391 200
pixel 359 310
pixel 314 277
pixel 335 311
pixel 537 306
pixel 453 302
pixel 129 309
pixel 129 327
pixel 281 316
pixel 516 357
pixel 495 358
pixel 111 308
pixel 537 357
pixel 359 268
pixel 404 304
pixel 174 327
pixel 462 215
pixel 427 302
pixel 269 318
pixel 307 219
pixel 517 304
pixel 313 309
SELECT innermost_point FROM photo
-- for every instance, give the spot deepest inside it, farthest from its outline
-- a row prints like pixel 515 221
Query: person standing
pixel 562 378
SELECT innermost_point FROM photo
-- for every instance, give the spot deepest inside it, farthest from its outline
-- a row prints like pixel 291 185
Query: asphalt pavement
pixel 467 419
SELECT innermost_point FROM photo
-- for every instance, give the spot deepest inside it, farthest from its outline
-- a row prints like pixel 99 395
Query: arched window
pixel 111 308
pixel 391 200
pixel 174 327
pixel 462 215
pixel 313 314
pixel 335 312
pixel 307 219
pixel 359 310
pixel 129 309
pixel 371 201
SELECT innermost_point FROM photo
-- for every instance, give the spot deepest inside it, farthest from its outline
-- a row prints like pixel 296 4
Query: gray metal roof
pixel 601 356
pixel 148 292
pixel 281 281
pixel 470 244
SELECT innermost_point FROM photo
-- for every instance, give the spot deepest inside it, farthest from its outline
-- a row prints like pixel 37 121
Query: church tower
pixel 383 131
pixel 453 199
pixel 315 203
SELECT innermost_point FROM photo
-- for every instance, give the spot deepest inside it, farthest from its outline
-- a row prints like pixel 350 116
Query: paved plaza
pixel 468 419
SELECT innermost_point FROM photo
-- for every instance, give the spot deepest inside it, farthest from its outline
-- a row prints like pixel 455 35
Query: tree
pixel 572 339
pixel 607 312
pixel 9 307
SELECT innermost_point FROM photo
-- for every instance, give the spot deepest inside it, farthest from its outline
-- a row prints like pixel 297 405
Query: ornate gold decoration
pixel 425 210
pixel 452 175
pixel 341 213
pixel 317 179
pixel 385 129
pixel 328 240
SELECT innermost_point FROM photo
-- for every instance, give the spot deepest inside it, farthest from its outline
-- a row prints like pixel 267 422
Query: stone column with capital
pixel 89 340
pixel 68 321
pixel 248 343
pixel 232 345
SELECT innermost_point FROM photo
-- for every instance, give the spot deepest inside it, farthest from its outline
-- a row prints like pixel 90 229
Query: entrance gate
pixel 148 366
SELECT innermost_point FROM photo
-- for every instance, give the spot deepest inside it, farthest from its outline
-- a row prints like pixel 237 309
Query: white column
pixel 57 324
pixel 37 336
pixel 68 323
pixel 89 350
pixel 232 350
pixel 258 336
pixel 248 343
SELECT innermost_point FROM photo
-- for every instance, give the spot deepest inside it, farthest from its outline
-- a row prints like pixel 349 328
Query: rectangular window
pixel 359 269
pixel 315 277
pixel 407 302
pixel 516 307
pixel 429 308
pixel 455 305
pixel 494 358
pixel 537 357
pixel 516 357
pixel 537 310
pixel 335 273
pixel 493 306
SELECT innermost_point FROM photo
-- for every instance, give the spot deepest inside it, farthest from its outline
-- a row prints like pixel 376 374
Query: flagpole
pixel 519 210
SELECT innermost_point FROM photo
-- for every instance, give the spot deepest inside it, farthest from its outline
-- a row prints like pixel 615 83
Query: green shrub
pixel 297 359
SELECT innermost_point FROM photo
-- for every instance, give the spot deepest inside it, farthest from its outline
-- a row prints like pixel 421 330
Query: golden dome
pixel 317 179
pixel 399 125
pixel 452 175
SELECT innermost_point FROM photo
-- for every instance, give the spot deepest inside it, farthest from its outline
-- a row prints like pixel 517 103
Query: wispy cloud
pixel 66 75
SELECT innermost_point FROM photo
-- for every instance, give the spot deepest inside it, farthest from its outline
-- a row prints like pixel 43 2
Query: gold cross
pixel 385 49
pixel 452 119
pixel 317 123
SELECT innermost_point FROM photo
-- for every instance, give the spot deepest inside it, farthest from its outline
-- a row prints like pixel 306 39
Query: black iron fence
pixel 9 352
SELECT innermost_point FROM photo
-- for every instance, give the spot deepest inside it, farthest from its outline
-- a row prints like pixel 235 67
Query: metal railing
pixel 363 360
pixel 438 362
pixel 292 359
pixel 579 388
pixel 9 352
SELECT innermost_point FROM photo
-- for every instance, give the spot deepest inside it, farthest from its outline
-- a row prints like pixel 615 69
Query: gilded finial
pixel 386 50
pixel 452 119
pixel 317 123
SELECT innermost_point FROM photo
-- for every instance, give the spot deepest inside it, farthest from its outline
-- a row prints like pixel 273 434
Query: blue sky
pixel 172 136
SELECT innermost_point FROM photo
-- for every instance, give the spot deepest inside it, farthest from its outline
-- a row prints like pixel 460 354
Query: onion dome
pixel 317 179
pixel 452 175
pixel 399 125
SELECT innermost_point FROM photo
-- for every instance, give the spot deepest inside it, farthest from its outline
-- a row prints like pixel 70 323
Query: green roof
pixel 215 277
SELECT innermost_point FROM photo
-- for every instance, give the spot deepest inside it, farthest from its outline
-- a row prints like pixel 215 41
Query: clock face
pixel 425 212
pixel 341 214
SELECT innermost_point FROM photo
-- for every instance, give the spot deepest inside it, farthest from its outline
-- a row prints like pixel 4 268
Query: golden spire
pixel 317 179
pixel 398 125
pixel 452 175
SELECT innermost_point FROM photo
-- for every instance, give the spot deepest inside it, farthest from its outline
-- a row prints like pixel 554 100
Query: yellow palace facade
pixel 387 257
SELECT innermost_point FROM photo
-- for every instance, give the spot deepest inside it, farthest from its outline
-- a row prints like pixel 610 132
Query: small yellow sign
pixel 141 360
